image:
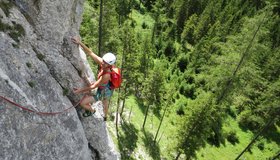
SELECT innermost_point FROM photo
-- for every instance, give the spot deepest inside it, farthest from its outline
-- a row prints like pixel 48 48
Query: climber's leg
pixel 86 103
pixel 105 103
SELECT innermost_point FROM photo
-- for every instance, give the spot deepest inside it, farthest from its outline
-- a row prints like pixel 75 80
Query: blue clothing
pixel 103 92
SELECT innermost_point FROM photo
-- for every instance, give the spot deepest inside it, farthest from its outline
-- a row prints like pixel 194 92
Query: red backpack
pixel 116 77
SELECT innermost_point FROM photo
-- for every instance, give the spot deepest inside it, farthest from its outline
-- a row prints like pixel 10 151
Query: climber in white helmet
pixel 103 92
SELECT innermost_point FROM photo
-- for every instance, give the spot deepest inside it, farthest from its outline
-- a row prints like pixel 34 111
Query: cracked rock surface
pixel 39 67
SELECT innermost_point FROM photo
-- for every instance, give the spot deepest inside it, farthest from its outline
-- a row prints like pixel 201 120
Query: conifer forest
pixel 200 77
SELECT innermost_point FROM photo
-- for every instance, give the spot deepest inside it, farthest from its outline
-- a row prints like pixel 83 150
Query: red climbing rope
pixel 37 112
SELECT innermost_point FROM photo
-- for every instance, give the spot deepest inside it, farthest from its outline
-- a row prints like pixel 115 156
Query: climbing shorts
pixel 103 93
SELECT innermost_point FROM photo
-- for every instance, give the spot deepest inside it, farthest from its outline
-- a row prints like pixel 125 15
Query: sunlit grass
pixel 230 151
pixel 144 144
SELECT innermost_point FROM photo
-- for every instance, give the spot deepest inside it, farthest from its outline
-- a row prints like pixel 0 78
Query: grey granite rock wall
pixel 39 67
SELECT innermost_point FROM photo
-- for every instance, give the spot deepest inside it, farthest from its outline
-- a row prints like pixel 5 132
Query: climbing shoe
pixel 88 113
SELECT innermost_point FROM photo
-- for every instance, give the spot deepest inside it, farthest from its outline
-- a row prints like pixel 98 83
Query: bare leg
pixel 105 105
pixel 86 103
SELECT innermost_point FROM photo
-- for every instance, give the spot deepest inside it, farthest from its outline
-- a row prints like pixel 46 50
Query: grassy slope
pixel 230 151
pixel 144 150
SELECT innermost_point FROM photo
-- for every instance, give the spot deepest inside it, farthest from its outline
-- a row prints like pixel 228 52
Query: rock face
pixel 39 67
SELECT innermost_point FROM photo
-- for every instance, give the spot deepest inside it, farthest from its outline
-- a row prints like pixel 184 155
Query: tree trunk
pixel 146 115
pixel 118 99
pixel 100 28
pixel 119 20
pixel 123 104
pixel 160 137
pixel 145 65
pixel 178 155
pixel 160 123
pixel 122 65
pixel 254 139
pixel 117 117
pixel 155 27
pixel 130 113
pixel 244 55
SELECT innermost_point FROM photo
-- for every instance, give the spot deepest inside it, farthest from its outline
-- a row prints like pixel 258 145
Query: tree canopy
pixel 219 58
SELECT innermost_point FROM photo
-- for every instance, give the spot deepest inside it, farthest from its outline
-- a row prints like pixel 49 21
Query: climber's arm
pixel 103 79
pixel 96 58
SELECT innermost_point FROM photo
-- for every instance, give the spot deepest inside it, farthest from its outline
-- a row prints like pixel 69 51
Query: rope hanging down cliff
pixel 38 112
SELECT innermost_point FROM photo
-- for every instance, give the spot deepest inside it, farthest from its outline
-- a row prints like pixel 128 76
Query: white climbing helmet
pixel 109 58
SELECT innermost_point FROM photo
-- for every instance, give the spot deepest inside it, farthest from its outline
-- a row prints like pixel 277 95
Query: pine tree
pixel 153 88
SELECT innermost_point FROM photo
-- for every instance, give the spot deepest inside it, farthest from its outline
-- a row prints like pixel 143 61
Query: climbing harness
pixel 38 112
